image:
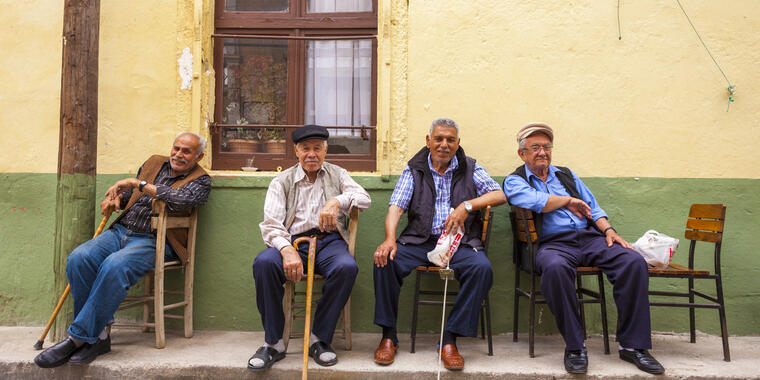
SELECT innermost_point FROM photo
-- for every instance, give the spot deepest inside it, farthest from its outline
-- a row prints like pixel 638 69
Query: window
pixel 284 63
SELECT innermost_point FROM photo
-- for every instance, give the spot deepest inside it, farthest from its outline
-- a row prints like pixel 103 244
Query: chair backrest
pixel 487 223
pixel 523 225
pixel 353 226
pixel 705 222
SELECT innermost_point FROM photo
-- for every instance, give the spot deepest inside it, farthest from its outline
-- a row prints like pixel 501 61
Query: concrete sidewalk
pixel 223 354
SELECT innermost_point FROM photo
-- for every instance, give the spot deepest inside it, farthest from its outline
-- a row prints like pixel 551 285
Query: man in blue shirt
pixel 440 177
pixel 575 232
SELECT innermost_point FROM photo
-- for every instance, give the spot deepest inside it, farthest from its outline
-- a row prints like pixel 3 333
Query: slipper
pixel 268 355
pixel 317 349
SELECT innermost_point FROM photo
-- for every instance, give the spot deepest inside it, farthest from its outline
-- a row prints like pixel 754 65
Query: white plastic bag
pixel 446 246
pixel 656 248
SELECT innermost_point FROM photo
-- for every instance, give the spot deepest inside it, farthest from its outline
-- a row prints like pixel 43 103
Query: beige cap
pixel 533 128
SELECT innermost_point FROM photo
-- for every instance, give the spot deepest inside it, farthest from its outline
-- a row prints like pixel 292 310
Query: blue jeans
pixel 101 270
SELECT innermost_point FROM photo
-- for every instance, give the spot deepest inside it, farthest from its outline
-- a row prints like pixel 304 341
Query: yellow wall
pixel 652 104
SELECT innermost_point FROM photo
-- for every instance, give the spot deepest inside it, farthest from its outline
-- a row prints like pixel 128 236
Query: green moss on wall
pixel 229 238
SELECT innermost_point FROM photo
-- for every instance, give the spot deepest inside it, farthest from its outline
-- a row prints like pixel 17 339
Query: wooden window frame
pixel 296 26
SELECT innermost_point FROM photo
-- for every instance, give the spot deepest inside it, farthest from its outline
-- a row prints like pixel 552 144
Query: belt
pixel 314 232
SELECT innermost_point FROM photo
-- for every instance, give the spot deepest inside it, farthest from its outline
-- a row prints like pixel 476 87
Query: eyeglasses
pixel 537 148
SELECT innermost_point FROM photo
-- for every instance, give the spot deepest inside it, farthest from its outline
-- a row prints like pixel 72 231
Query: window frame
pixel 297 26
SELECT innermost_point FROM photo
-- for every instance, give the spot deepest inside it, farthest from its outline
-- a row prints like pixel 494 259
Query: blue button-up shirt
pixel 534 198
pixel 402 194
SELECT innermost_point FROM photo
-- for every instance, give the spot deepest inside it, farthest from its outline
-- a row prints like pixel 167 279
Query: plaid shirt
pixel 193 194
pixel 402 194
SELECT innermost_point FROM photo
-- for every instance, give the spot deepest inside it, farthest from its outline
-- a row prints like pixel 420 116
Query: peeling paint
pixel 186 69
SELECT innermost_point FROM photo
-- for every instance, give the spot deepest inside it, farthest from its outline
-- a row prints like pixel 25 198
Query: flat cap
pixel 535 127
pixel 310 131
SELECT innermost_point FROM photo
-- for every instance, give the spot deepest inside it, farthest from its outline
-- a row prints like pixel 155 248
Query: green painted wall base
pixel 229 239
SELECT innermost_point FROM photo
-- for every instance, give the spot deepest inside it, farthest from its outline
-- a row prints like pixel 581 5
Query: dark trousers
pixel 471 268
pixel 557 257
pixel 332 260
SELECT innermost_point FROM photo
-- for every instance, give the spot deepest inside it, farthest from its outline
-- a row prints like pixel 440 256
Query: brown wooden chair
pixel 437 293
pixel 525 245
pixel 294 303
pixel 705 223
pixel 154 281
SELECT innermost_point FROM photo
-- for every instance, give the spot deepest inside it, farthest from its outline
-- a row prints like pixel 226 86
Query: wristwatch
pixel 142 184
pixel 467 206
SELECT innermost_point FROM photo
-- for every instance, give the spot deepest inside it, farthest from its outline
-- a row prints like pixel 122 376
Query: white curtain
pixel 339 76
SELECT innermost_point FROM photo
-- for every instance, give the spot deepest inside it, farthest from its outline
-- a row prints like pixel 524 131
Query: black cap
pixel 310 131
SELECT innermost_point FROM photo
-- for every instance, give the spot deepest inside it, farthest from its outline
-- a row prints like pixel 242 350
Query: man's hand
pixel 613 237
pixel 328 217
pixel 579 208
pixel 456 219
pixel 291 264
pixel 122 185
pixel 109 203
pixel 385 251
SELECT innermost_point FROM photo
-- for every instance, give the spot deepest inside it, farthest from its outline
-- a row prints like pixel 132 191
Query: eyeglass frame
pixel 537 148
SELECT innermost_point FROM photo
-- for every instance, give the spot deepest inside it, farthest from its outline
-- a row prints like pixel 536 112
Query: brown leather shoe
pixel 451 358
pixel 386 352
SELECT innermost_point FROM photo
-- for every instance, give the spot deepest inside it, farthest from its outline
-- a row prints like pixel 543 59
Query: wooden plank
pixel 586 269
pixel 713 211
pixel 678 269
pixel 712 237
pixel 705 224
pixel 522 238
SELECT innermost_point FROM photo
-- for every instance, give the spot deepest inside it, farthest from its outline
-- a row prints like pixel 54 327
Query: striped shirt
pixel 311 199
pixel 193 194
pixel 402 194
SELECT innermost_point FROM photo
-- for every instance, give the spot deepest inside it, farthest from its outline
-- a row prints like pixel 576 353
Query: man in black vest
pixel 574 231
pixel 439 178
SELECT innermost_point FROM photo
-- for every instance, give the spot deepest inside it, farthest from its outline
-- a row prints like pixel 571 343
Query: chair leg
pixel 158 306
pixel 516 305
pixel 347 323
pixel 487 312
pixel 603 307
pixel 692 319
pixel 532 324
pixel 482 324
pixel 414 309
pixel 288 311
pixel 581 307
pixel 188 294
pixel 146 307
pixel 722 316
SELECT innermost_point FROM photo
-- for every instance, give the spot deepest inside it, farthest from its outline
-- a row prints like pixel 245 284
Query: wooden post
pixel 78 138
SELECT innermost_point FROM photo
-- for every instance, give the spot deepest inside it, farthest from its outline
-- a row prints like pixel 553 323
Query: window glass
pixel 330 6
pixel 256 5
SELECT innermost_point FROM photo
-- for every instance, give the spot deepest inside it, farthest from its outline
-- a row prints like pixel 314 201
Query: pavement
pixel 224 354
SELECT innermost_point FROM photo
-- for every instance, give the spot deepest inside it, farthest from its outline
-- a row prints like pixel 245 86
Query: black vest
pixel 422 205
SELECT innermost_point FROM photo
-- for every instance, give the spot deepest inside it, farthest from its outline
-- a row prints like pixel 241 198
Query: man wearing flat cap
pixel 574 231
pixel 442 189
pixel 307 199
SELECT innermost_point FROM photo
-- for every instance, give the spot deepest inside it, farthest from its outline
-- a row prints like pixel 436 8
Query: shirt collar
pixel 552 170
pixel 453 164
pixel 168 167
pixel 301 174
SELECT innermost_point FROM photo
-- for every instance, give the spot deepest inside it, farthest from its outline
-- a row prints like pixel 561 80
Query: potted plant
pixel 274 139
pixel 243 140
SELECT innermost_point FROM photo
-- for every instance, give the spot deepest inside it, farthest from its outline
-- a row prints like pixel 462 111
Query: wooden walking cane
pixel 38 345
pixel 309 283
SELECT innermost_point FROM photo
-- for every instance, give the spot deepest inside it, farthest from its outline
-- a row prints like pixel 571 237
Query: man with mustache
pixel 574 231
pixel 101 270
pixel 310 198
pixel 440 177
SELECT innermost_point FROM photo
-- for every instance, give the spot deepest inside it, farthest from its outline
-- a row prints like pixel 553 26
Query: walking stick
pixel 309 283
pixel 38 345
pixel 446 275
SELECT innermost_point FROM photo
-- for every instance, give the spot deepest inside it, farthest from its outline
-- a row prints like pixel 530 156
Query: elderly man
pixel 101 270
pixel 439 177
pixel 308 199
pixel 574 231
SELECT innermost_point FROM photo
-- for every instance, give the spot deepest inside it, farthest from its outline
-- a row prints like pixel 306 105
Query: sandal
pixel 268 355
pixel 318 349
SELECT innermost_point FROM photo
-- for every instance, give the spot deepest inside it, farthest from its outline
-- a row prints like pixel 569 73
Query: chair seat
pixel 677 269
pixel 431 268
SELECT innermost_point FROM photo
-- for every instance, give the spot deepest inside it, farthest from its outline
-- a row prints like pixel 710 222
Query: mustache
pixel 443 150
pixel 179 159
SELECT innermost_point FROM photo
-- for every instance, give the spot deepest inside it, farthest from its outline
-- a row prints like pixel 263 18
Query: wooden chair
pixel 294 305
pixel 485 313
pixel 705 223
pixel 524 253
pixel 154 281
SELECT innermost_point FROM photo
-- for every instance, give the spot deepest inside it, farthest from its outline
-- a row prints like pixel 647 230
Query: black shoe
pixel 56 355
pixel 576 361
pixel 89 352
pixel 317 349
pixel 643 360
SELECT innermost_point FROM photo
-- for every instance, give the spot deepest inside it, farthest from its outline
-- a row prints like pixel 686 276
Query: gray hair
pixel 522 142
pixel 201 141
pixel 324 143
pixel 443 122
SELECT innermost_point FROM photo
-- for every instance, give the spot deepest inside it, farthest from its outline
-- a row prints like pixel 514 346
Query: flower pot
pixel 242 145
pixel 275 146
